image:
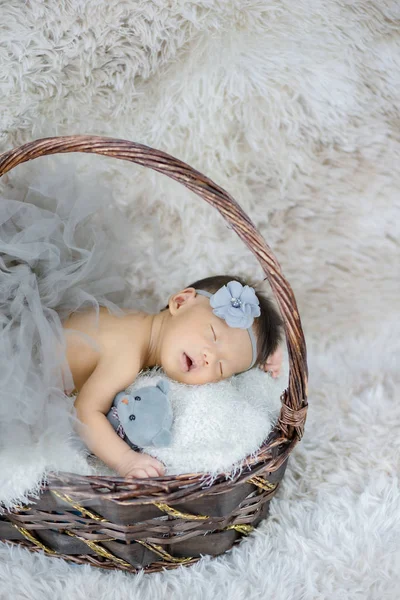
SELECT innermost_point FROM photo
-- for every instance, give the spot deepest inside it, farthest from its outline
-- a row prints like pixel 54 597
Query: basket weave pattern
pixel 163 522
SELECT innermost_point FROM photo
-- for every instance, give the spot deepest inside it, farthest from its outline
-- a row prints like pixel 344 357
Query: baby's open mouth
pixel 188 362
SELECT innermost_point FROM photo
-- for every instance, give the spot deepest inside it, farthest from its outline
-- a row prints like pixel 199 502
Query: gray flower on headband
pixel 236 304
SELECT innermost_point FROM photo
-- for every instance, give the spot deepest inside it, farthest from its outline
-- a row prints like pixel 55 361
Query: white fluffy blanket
pixel 293 107
pixel 218 425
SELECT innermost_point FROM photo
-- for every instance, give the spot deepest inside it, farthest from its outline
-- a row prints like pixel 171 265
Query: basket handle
pixel 294 399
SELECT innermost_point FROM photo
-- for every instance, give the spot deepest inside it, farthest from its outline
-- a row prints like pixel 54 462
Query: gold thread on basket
pixel 262 483
pixel 34 540
pixel 99 549
pixel 246 529
pixel 176 513
pixel 77 506
pixel 105 540
pixel 163 553
pixel 159 550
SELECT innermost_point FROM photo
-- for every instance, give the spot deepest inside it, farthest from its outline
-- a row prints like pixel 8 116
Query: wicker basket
pixel 152 524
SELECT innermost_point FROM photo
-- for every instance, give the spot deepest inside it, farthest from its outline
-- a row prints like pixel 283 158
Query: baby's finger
pixel 159 467
pixel 151 472
pixel 273 363
pixel 134 487
pixel 138 474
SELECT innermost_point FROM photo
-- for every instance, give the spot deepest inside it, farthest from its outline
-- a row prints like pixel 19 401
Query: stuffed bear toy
pixel 143 417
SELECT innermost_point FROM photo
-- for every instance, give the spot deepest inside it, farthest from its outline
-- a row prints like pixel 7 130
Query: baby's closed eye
pixel 215 339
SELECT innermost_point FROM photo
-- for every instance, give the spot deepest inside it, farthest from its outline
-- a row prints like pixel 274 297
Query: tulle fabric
pixel 61 250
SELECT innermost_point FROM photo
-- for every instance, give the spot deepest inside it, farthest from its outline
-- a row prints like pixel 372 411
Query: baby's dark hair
pixel 268 326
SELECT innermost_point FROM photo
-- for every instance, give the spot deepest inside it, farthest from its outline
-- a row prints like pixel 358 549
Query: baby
pixel 211 330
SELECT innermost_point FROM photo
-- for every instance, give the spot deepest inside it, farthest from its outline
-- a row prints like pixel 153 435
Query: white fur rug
pixel 293 107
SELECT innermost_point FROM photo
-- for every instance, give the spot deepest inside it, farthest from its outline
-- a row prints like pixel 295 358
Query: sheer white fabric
pixel 61 250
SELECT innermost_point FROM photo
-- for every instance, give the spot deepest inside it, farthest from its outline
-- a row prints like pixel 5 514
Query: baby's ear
pixel 181 298
pixel 163 385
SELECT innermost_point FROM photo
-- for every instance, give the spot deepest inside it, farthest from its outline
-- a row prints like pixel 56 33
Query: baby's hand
pixel 274 363
pixel 140 465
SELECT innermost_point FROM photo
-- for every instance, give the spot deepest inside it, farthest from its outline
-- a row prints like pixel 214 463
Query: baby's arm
pixel 92 405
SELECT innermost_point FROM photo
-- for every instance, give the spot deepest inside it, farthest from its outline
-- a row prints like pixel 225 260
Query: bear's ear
pixel 163 385
pixel 119 397
pixel 122 398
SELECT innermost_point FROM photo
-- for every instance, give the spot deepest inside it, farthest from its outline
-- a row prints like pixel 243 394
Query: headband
pixel 237 305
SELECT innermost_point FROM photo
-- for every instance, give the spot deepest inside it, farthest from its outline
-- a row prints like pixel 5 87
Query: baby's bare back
pixel 113 336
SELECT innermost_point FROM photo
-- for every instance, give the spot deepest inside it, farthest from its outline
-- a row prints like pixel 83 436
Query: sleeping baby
pixel 213 329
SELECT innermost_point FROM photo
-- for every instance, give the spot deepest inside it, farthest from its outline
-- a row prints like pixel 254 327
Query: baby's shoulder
pixel 107 325
pixel 123 343
pixel 125 335
pixel 117 337
pixel 125 330
pixel 115 341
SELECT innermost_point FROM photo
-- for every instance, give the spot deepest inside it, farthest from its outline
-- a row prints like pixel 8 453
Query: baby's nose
pixel 209 358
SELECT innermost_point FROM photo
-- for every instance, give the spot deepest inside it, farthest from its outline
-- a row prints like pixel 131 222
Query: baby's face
pixel 198 347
